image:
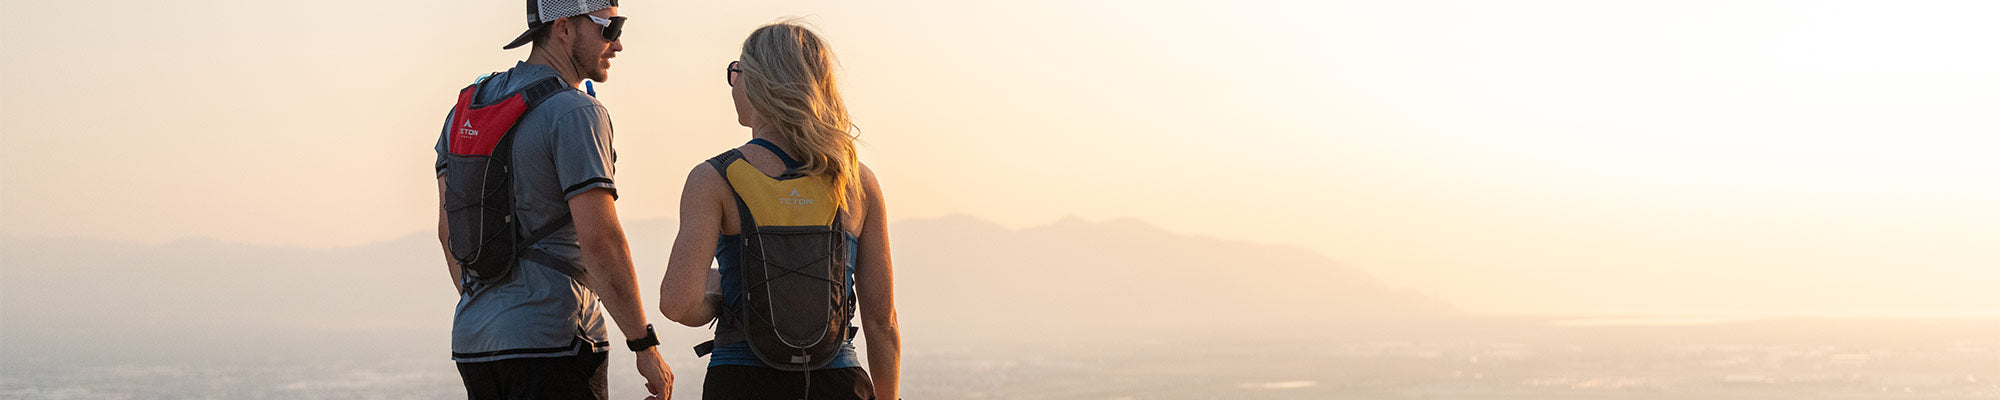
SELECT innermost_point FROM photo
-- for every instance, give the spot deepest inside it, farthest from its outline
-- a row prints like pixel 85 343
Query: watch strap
pixel 641 344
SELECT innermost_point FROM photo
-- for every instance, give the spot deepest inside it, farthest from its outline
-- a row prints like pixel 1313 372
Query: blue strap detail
pixel 787 158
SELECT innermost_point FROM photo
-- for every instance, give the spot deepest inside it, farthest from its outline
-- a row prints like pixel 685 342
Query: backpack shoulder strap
pixel 726 334
pixel 790 164
pixel 541 90
pixel 721 161
pixel 528 252
pixel 533 95
pixel 721 164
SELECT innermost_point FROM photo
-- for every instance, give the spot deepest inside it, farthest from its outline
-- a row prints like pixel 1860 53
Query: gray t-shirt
pixel 562 148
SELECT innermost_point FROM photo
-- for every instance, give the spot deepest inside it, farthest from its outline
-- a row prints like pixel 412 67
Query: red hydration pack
pixel 486 237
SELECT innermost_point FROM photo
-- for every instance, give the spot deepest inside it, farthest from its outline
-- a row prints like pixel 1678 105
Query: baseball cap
pixel 540 12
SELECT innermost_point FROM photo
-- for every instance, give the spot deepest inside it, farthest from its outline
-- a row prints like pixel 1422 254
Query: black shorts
pixel 757 383
pixel 569 377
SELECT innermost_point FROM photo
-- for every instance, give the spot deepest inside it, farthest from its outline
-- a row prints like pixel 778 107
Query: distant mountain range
pixel 955 275
pixel 1076 277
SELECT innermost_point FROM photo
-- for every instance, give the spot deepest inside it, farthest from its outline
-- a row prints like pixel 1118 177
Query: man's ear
pixel 559 30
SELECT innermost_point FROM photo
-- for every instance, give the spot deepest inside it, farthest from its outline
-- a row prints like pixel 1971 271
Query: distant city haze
pixel 1694 159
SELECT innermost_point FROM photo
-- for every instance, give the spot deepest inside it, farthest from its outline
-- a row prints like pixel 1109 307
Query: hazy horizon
pixel 1668 317
pixel 1163 323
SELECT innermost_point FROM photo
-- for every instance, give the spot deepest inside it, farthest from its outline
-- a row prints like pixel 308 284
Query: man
pixel 537 333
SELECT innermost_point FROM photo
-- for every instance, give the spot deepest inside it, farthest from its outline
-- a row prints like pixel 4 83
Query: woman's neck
pixel 772 136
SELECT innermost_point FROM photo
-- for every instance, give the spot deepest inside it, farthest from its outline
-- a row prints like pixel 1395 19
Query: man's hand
pixel 659 378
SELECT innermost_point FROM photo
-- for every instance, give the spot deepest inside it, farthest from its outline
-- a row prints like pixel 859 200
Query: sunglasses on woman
pixel 733 71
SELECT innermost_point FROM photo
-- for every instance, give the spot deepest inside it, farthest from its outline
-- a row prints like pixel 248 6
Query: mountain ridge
pixel 956 275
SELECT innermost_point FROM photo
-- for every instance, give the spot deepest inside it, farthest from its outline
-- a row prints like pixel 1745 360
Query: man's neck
pixel 563 67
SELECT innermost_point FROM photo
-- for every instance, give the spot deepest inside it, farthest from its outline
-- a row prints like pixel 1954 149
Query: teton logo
pixel 467 130
pixel 795 199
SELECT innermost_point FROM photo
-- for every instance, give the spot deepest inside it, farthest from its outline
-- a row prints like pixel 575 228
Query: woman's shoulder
pixel 867 175
pixel 703 178
pixel 871 187
pixel 712 167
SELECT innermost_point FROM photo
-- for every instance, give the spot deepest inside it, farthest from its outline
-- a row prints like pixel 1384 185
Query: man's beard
pixel 589 64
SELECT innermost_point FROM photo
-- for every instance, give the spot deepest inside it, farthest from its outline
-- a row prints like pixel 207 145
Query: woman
pixel 784 91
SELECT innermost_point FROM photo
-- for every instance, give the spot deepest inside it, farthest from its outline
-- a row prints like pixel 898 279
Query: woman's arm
pixel 683 291
pixel 875 285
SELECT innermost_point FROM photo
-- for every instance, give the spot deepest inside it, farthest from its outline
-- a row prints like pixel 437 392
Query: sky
pixel 1530 157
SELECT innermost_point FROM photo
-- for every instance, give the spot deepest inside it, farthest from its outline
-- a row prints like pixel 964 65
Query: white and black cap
pixel 540 12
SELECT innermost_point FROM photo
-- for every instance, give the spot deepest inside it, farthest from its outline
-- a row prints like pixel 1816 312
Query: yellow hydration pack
pixel 795 295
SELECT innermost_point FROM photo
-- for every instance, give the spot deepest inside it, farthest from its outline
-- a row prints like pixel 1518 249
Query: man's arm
pixel 444 238
pixel 607 261
pixel 444 224
pixel 607 265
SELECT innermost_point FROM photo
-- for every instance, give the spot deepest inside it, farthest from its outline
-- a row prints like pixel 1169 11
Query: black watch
pixel 641 344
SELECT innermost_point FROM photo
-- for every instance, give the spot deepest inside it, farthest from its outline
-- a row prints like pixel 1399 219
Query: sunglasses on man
pixel 613 27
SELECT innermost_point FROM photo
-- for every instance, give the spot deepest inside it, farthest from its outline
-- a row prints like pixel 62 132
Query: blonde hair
pixel 788 78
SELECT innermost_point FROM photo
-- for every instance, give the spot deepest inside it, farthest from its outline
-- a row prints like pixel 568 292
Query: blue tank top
pixel 726 259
